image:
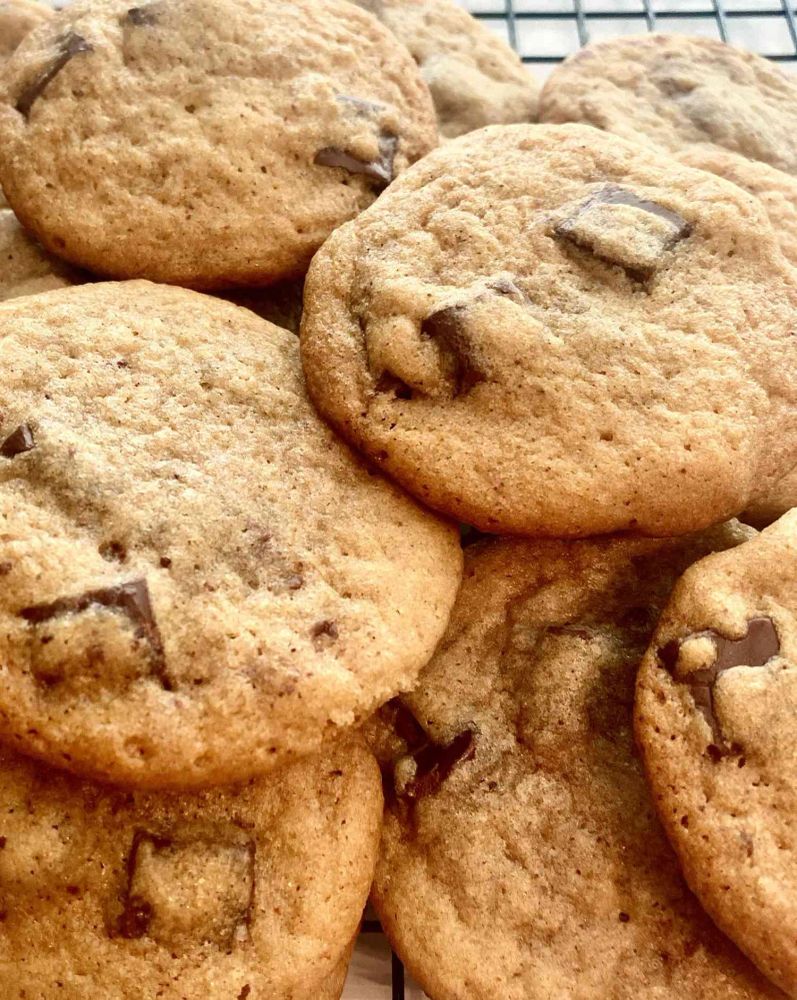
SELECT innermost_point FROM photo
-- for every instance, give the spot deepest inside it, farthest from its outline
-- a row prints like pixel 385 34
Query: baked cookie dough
pixel 25 268
pixel 782 498
pixel 280 304
pixel 715 718
pixel 198 577
pixel 676 91
pixel 17 18
pixel 521 857
pixel 205 144
pixel 775 190
pixel 548 330
pixel 475 78
pixel 242 893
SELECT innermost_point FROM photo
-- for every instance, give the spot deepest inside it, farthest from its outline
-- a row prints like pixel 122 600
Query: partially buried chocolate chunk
pixel 638 244
pixel 18 442
pixel 130 599
pixel 434 762
pixel 380 171
pixel 143 16
pixel 448 329
pixel 754 649
pixel 69 46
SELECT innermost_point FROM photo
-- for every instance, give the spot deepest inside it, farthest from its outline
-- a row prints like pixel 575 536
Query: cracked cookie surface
pixel 549 330
pixel 474 77
pixel 250 892
pixel 184 544
pixel 675 92
pixel 521 856
pixel 210 145
pixel 715 708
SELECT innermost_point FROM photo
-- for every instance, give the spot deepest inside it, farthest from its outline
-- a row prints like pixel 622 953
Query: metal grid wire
pixel 543 32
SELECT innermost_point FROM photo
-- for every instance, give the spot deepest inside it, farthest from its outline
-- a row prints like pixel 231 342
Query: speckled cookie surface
pixel 17 18
pixel 249 892
pixel 629 363
pixel 25 268
pixel 776 190
pixel 206 144
pixel 676 91
pixel 715 711
pixel 475 78
pixel 521 857
pixel 781 499
pixel 197 576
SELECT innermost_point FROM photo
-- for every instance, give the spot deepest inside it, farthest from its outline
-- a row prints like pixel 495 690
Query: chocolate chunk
pixel 131 599
pixel 435 762
pixel 396 714
pixel 380 171
pixel 159 898
pixel 447 327
pixel 633 249
pixel 755 648
pixel 69 46
pixel 18 442
pixel 324 630
pixel 142 16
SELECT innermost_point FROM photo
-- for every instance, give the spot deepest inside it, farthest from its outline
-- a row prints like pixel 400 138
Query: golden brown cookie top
pixel 17 18
pixel 715 710
pixel 198 577
pixel 247 891
pixel 676 91
pixel 521 856
pixel 205 144
pixel 550 330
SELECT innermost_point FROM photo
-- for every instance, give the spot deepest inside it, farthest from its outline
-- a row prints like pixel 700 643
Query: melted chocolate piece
pixel 325 628
pixel 131 599
pixel 18 442
pixel 576 228
pixel 380 171
pixel 69 46
pixel 142 16
pixel 755 648
pixel 447 327
pixel 435 762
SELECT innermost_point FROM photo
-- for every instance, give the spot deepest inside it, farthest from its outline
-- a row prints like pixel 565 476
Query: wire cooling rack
pixel 543 32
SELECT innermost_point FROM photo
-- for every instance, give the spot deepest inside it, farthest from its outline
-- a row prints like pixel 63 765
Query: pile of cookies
pixel 234 567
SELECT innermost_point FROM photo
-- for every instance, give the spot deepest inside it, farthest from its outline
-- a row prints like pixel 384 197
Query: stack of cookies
pixel 231 559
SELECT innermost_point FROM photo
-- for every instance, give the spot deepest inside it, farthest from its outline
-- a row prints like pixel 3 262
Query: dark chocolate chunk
pixel 324 630
pixel 69 46
pixel 131 599
pixel 754 649
pixel 142 16
pixel 18 442
pixel 578 230
pixel 396 714
pixel 435 762
pixel 380 171
pixel 447 327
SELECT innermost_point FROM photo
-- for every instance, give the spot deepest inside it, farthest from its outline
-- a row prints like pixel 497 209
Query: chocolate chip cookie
pixel 280 304
pixel 249 892
pixel 17 18
pixel 715 712
pixel 475 78
pixel 198 577
pixel 782 498
pixel 676 91
pixel 549 330
pixel 25 268
pixel 776 190
pixel 205 144
pixel 521 857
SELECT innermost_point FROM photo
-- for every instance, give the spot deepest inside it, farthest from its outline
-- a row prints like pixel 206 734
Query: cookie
pixel 782 498
pixel 198 578
pixel 774 189
pixel 677 91
pixel 521 857
pixel 25 268
pixel 252 891
pixel 714 718
pixel 475 78
pixel 17 18
pixel 280 304
pixel 629 363
pixel 209 145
